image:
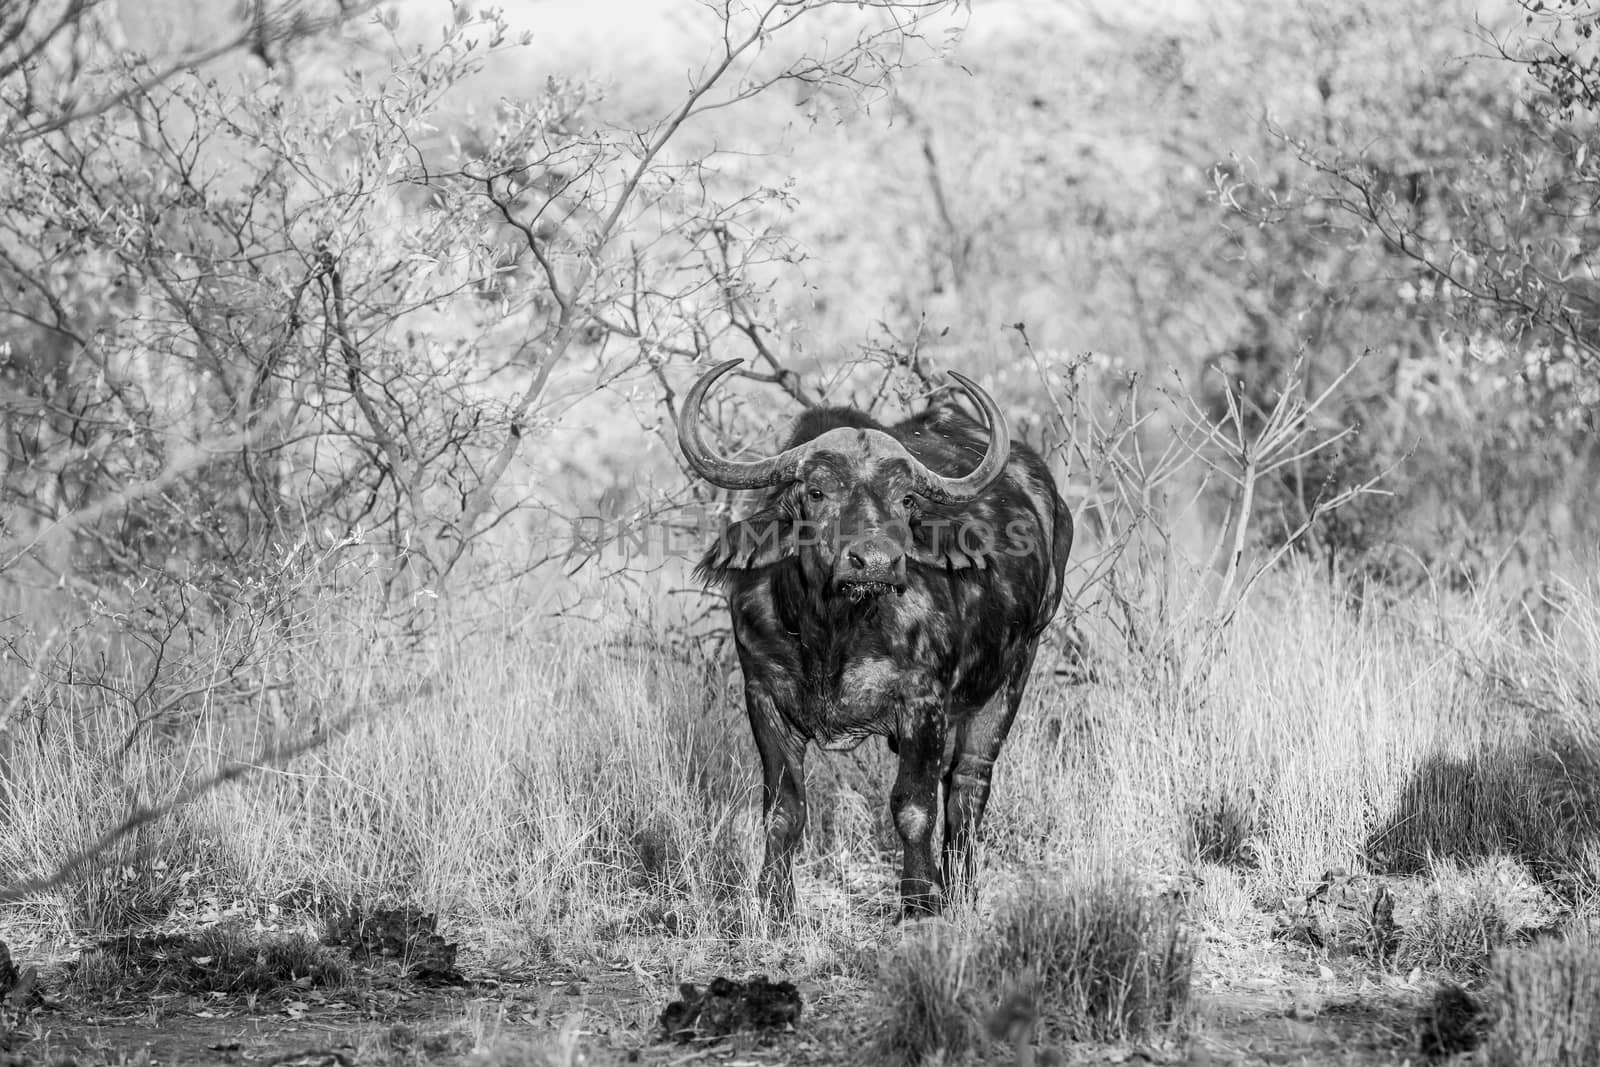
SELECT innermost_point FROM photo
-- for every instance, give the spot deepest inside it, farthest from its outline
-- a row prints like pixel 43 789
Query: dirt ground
pixel 1259 1002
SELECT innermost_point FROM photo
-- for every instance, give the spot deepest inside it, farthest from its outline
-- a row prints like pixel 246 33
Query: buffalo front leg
pixel 966 782
pixel 783 798
pixel 914 802
pixel 967 794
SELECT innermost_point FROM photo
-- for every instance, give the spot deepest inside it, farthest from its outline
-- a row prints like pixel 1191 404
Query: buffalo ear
pixel 759 541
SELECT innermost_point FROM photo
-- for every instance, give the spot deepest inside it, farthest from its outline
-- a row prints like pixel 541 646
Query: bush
pixel 1534 799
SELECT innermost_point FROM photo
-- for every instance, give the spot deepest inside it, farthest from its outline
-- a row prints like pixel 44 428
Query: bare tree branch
pixel 279 25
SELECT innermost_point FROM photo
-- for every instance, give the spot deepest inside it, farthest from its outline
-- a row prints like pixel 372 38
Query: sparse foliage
pixel 247 313
pixel 1448 219
pixel 50 51
pixel 253 321
pixel 1170 607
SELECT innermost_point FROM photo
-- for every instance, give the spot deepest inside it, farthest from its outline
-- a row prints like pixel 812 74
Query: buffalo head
pixel 847 498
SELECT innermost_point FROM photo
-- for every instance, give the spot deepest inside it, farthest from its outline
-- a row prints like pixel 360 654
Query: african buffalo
pixel 887 585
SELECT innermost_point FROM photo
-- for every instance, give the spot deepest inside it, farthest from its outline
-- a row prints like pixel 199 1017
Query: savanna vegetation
pixel 351 672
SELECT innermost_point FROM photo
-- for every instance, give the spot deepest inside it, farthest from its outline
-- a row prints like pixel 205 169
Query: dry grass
pixel 1468 914
pixel 929 999
pixel 1092 957
pixel 559 783
pixel 1318 738
pixel 1100 958
pixel 1313 720
pixel 588 789
pixel 1544 1010
pixel 226 960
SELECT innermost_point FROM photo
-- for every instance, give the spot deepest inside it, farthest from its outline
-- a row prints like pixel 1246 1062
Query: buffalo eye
pixel 814 493
pixel 909 502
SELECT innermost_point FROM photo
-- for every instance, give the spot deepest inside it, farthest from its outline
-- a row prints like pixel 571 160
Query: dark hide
pixel 937 667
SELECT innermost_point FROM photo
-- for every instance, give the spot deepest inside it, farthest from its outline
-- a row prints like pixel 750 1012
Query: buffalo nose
pixel 875 558
pixel 872 561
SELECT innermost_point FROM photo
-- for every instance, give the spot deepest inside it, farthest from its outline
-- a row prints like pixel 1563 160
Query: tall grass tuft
pixel 1469 914
pixel 927 999
pixel 1102 959
pixel 1224 828
pixel 1545 1006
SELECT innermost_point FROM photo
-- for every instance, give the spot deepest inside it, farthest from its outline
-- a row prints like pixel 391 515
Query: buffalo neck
pixel 811 609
